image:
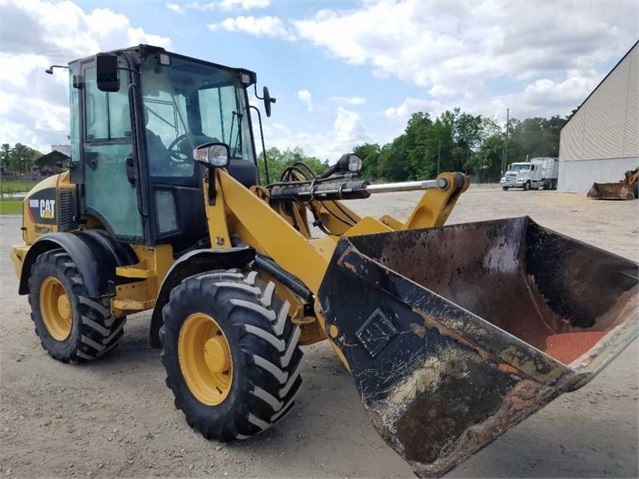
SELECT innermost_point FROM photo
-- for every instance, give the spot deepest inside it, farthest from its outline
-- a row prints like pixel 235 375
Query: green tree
pixel 487 161
pixel 278 161
pixel 458 141
pixel 5 155
pixel 417 146
pixel 552 129
pixel 21 157
pixel 534 137
pixel 369 153
pixel 393 165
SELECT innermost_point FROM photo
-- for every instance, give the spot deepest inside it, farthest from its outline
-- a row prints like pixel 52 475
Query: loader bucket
pixel 611 191
pixel 455 334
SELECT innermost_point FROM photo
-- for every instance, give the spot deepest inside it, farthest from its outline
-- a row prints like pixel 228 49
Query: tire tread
pixel 268 343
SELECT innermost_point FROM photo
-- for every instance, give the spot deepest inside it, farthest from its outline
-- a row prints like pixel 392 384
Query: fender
pixel 194 262
pixel 94 252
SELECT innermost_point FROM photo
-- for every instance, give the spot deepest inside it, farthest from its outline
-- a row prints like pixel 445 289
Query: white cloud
pixel 409 106
pixel 305 97
pixel 174 7
pixel 36 34
pixel 267 26
pixel 541 98
pixel 465 52
pixel 243 4
pixel 344 100
pixel 223 5
pixel 347 131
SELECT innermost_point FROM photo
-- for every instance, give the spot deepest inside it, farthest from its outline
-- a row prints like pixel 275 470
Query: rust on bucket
pixel 566 347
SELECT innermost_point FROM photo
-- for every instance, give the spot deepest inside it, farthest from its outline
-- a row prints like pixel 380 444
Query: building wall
pixel 580 175
pixel 601 140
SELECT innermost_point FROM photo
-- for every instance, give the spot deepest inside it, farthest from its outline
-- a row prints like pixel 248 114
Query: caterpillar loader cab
pixel 452 334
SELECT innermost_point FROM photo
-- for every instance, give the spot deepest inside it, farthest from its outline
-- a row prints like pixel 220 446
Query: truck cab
pixel 524 175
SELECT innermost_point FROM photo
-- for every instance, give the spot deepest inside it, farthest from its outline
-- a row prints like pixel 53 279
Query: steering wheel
pixel 176 153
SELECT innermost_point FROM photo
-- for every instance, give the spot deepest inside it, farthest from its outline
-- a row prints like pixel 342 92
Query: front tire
pixel 231 354
pixel 526 186
pixel 72 327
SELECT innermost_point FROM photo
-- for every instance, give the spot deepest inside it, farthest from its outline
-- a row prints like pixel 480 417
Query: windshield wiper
pixel 238 140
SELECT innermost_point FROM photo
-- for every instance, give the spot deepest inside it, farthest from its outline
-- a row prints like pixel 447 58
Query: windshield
pixel 187 104
pixel 520 167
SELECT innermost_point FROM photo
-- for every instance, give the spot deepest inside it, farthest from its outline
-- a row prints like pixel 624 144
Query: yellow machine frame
pixel 247 214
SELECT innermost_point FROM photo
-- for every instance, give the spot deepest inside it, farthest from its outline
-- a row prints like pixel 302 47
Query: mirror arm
pixel 255 91
pixel 259 117
pixel 212 192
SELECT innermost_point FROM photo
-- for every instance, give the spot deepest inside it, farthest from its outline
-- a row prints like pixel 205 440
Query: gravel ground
pixel 115 417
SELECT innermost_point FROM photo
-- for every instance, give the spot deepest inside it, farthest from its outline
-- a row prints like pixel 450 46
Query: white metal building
pixel 601 140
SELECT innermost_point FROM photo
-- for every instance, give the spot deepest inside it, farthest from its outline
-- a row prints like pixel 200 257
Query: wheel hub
pixel 215 354
pixel 64 306
pixel 205 359
pixel 56 308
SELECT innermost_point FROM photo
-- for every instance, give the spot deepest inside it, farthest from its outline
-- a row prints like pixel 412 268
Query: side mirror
pixel 212 154
pixel 267 101
pixel 106 71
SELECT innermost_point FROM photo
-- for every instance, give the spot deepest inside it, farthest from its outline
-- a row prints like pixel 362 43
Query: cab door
pixel 107 151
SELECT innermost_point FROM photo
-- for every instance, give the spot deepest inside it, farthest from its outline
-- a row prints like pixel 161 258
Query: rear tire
pixel 231 354
pixel 72 327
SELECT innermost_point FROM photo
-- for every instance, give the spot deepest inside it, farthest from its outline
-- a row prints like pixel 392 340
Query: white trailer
pixel 549 171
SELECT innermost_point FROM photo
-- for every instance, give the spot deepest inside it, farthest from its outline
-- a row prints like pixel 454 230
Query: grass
pixel 10 207
pixel 8 188
pixel 9 204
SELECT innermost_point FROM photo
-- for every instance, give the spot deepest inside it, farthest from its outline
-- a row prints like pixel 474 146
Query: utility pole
pixel 506 143
pixel 439 154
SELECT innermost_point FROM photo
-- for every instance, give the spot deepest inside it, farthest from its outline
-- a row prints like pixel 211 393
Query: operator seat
pixel 157 153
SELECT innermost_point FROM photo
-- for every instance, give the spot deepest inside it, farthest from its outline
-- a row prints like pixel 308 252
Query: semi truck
pixel 540 172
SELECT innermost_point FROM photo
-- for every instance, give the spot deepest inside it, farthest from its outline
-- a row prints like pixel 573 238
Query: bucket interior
pixel 611 191
pixel 555 293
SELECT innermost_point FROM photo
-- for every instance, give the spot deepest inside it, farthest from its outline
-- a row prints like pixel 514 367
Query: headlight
pixel 350 162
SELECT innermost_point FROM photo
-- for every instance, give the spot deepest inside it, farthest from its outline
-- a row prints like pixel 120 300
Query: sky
pixel 344 72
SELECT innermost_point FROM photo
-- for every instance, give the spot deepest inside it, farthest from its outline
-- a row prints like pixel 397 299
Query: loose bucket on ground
pixel 611 191
pixel 455 334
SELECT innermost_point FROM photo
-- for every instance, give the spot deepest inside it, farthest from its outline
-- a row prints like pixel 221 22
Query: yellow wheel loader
pixel 452 334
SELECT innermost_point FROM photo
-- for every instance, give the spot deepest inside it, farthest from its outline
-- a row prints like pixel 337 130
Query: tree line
pixel 458 141
pixel 454 141
pixel 18 159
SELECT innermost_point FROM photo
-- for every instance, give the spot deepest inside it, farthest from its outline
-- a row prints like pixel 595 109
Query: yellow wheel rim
pixel 55 307
pixel 205 359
